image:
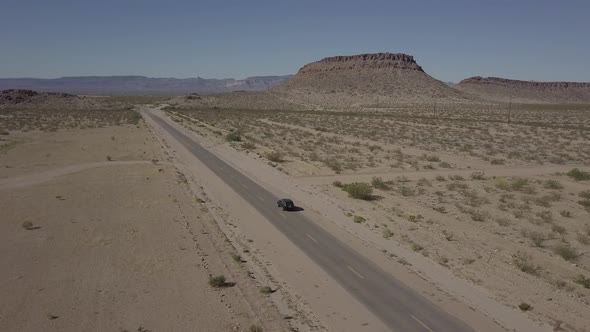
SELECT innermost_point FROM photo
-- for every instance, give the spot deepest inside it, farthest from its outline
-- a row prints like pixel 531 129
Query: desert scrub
pixel 567 252
pixel 583 280
pixel 248 146
pixel 359 190
pixel 217 281
pixel 234 136
pixel 552 184
pixel 255 328
pixel 275 156
pixel 333 164
pixel 478 176
pixel 358 219
pixel 525 263
pixel 266 290
pixel 378 183
pixel 387 233
pixel 578 175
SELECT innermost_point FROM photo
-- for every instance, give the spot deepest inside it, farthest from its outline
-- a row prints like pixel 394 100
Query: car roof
pixel 286 200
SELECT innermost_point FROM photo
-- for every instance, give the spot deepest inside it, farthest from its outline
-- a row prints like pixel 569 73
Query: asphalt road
pixel 399 307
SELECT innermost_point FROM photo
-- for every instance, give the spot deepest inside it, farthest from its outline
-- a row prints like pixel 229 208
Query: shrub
pixel 248 146
pixel 524 262
pixel 582 280
pixel 236 257
pixel 578 174
pixel 537 238
pixel 565 213
pixel 497 162
pixel 333 164
pixel 478 176
pixel 275 156
pixel 266 290
pixel 584 194
pixel 378 183
pixel 109 158
pixel 28 225
pixel 431 158
pixel 337 184
pixel 567 252
pixel 553 184
pixel 583 239
pixel 359 190
pixel 255 328
pixel 478 215
pixel 456 177
pixel 407 191
pixel 387 233
pixel 558 229
pixel 525 306
pixel 217 281
pixel 234 136
pixel 440 178
pixel 358 219
pixel 444 164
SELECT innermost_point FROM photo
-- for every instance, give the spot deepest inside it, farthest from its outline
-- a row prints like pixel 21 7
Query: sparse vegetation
pixel 583 280
pixel 387 233
pixel 358 219
pixel 359 190
pixel 378 183
pixel 217 281
pixel 275 156
pixel 525 306
pixel 266 290
pixel 579 175
pixel 525 263
pixel 567 252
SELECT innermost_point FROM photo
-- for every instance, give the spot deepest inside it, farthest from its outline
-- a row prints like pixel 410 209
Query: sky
pixel 452 40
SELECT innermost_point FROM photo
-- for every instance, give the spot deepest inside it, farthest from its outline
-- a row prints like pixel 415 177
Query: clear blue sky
pixel 452 40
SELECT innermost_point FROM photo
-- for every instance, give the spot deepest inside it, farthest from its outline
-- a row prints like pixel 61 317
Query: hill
pixel 365 79
pixel 501 89
pixel 141 85
pixel 29 99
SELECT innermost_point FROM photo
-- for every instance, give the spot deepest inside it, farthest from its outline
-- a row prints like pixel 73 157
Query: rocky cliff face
pixel 366 79
pixel 502 89
pixel 363 61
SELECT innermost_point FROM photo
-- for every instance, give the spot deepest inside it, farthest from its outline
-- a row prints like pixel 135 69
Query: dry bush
pixel 359 190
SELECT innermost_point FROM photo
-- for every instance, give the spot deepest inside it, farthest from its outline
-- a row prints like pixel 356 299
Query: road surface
pixel 399 307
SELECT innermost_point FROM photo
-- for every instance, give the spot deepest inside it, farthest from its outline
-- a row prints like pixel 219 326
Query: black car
pixel 286 204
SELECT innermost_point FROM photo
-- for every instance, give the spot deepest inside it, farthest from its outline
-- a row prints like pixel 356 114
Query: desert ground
pixel 101 232
pixel 479 205
pixel 501 205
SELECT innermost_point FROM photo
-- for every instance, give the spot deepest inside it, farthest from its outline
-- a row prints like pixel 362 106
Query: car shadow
pixel 296 209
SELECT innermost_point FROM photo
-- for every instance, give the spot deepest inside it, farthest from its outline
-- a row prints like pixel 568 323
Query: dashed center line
pixel 421 323
pixel 260 198
pixel 353 271
pixel 311 237
pixel 284 216
pixel 243 185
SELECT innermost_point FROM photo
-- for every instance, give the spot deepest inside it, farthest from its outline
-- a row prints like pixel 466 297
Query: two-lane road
pixel 399 307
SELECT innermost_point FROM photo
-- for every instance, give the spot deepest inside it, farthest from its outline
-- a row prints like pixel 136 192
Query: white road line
pixel 358 274
pixel 284 216
pixel 311 237
pixel 419 321
pixel 243 185
pixel 260 198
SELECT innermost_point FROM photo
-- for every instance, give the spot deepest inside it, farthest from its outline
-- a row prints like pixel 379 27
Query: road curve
pixel 399 307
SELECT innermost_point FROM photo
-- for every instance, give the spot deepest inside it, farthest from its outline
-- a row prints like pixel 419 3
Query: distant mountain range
pixel 141 85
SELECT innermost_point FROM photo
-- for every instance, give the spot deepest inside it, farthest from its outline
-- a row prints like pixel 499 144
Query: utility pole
pixel 509 109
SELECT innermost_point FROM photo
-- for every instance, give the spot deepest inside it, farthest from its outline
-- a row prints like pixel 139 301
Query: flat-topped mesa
pixel 527 84
pixel 363 61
